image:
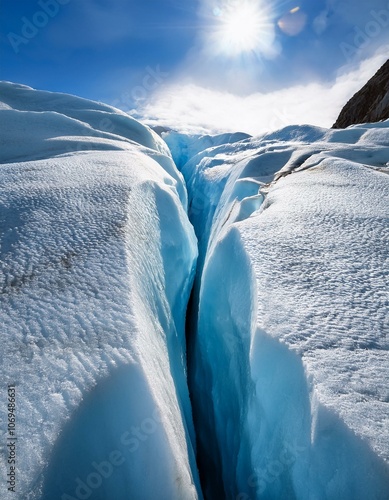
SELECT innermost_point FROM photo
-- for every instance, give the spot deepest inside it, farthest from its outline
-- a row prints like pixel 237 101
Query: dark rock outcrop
pixel 370 104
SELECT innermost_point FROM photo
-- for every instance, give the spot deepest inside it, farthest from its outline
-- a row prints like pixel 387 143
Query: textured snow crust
pixel 97 263
pixel 289 363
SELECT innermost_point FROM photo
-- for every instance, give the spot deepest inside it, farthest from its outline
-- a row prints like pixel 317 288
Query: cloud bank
pixel 191 108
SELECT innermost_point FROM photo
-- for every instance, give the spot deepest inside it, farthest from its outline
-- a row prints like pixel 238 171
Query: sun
pixel 243 27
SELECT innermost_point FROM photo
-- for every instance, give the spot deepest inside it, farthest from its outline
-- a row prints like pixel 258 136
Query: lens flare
pixel 293 22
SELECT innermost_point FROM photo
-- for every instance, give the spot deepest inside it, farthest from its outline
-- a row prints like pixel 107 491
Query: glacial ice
pixel 183 147
pixel 289 363
pixel 97 263
pixel 288 328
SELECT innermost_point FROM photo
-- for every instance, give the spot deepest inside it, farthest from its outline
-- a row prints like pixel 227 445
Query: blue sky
pixel 174 60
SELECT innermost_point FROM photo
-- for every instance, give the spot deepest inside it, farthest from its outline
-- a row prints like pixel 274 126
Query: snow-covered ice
pixel 184 147
pixel 97 263
pixel 289 362
pixel 289 325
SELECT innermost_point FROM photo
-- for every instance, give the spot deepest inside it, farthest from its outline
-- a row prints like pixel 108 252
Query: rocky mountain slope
pixel 370 104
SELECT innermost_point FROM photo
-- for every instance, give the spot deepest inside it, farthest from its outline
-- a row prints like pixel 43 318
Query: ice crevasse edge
pixel 288 346
pixel 289 362
pixel 97 263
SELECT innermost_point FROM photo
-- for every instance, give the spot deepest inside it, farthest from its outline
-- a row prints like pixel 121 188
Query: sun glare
pixel 244 27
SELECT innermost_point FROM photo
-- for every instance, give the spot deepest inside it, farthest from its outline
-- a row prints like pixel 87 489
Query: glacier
pixel 289 362
pixel 97 263
pixel 192 316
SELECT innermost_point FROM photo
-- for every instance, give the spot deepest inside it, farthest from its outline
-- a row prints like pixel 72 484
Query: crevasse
pixel 97 260
pixel 288 325
pixel 288 351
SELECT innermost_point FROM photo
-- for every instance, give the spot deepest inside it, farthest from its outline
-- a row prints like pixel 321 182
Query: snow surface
pixel 97 263
pixel 289 364
pixel 289 327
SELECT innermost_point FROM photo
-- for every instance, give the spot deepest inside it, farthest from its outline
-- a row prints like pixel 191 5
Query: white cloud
pixel 195 109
